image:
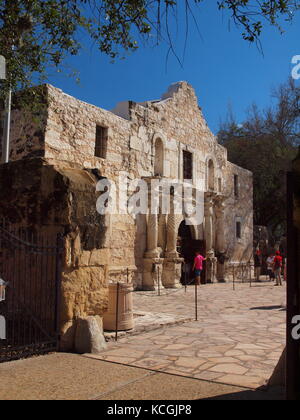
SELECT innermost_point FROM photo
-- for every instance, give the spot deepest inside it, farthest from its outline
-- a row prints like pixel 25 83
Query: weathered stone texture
pixel 134 131
pixel 239 209
pixel 50 199
pixel 71 132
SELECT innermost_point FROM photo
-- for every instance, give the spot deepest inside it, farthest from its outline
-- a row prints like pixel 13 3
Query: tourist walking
pixel 277 266
pixel 257 265
pixel 270 263
pixel 198 267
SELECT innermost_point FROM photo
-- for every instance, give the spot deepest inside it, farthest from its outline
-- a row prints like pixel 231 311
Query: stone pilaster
pixel 211 261
pixel 162 232
pixel 152 266
pixel 171 251
pixel 172 263
pixel 208 213
pixel 152 274
pixel 172 273
pixel 152 237
pixel 220 239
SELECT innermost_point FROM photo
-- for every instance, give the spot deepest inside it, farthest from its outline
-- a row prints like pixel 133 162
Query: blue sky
pixel 222 67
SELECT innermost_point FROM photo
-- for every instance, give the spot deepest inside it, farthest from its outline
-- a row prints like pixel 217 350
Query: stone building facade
pixel 168 139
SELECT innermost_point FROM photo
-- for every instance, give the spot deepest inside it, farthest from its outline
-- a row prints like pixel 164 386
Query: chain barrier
pixel 245 267
pixel 163 292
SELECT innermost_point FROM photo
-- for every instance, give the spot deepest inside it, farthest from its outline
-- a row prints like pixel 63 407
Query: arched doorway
pixel 187 247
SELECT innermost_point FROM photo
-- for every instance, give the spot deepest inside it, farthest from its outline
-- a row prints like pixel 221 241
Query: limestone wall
pixel 51 199
pixel 239 209
pixel 68 135
pixel 178 121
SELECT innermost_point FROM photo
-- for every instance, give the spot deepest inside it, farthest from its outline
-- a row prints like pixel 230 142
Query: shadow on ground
pixel 273 394
pixel 267 308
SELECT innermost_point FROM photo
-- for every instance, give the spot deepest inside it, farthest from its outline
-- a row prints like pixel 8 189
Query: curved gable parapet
pixel 174 88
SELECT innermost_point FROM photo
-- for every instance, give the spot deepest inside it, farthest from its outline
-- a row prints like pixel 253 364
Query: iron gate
pixel 30 267
pixel 293 294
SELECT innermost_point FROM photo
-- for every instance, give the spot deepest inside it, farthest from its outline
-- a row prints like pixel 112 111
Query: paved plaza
pixel 237 340
pixel 72 377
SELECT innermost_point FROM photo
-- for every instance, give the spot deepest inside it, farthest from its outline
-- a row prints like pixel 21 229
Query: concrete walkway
pixel 73 377
pixel 237 340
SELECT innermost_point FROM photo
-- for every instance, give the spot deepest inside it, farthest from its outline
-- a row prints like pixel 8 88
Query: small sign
pixel 2 68
pixel 3 285
pixel 2 328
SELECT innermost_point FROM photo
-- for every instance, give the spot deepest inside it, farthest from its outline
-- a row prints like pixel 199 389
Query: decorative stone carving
pixel 172 273
pixel 211 259
pixel 152 274
pixel 220 238
pixel 162 232
pixel 171 251
pixel 152 237
pixel 208 213
pixel 211 267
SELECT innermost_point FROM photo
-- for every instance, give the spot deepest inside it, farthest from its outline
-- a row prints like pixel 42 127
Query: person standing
pixel 257 265
pixel 198 267
pixel 277 266
pixel 270 263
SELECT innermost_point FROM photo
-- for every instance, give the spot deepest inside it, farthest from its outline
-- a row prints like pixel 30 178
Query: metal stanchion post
pixel 185 277
pixel 233 278
pixel 158 280
pixel 117 311
pixel 196 300
pixel 250 275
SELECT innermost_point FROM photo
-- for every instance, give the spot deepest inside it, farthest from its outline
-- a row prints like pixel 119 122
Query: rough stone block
pixel 89 337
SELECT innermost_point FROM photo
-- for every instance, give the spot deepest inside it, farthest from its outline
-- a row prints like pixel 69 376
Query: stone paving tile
pixel 237 339
pixel 229 368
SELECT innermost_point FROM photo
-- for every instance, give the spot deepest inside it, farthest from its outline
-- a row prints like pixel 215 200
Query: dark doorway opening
pixel 187 248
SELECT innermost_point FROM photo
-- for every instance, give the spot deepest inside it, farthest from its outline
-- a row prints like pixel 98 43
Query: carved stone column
pixel 152 267
pixel 172 263
pixel 208 213
pixel 220 239
pixel 152 274
pixel 162 232
pixel 171 251
pixel 211 261
pixel 152 236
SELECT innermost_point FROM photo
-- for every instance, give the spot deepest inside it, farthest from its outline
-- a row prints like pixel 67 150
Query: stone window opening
pixel 220 185
pixel 239 230
pixel 187 165
pixel 159 158
pixel 236 186
pixel 101 142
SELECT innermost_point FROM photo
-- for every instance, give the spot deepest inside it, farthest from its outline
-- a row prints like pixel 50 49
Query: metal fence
pixel 293 294
pixel 30 270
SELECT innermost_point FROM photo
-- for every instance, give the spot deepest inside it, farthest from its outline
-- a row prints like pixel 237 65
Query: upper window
pixel 219 185
pixel 236 186
pixel 101 142
pixel 187 165
pixel 238 230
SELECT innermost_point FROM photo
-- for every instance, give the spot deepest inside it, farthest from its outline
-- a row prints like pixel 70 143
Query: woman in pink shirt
pixel 198 267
